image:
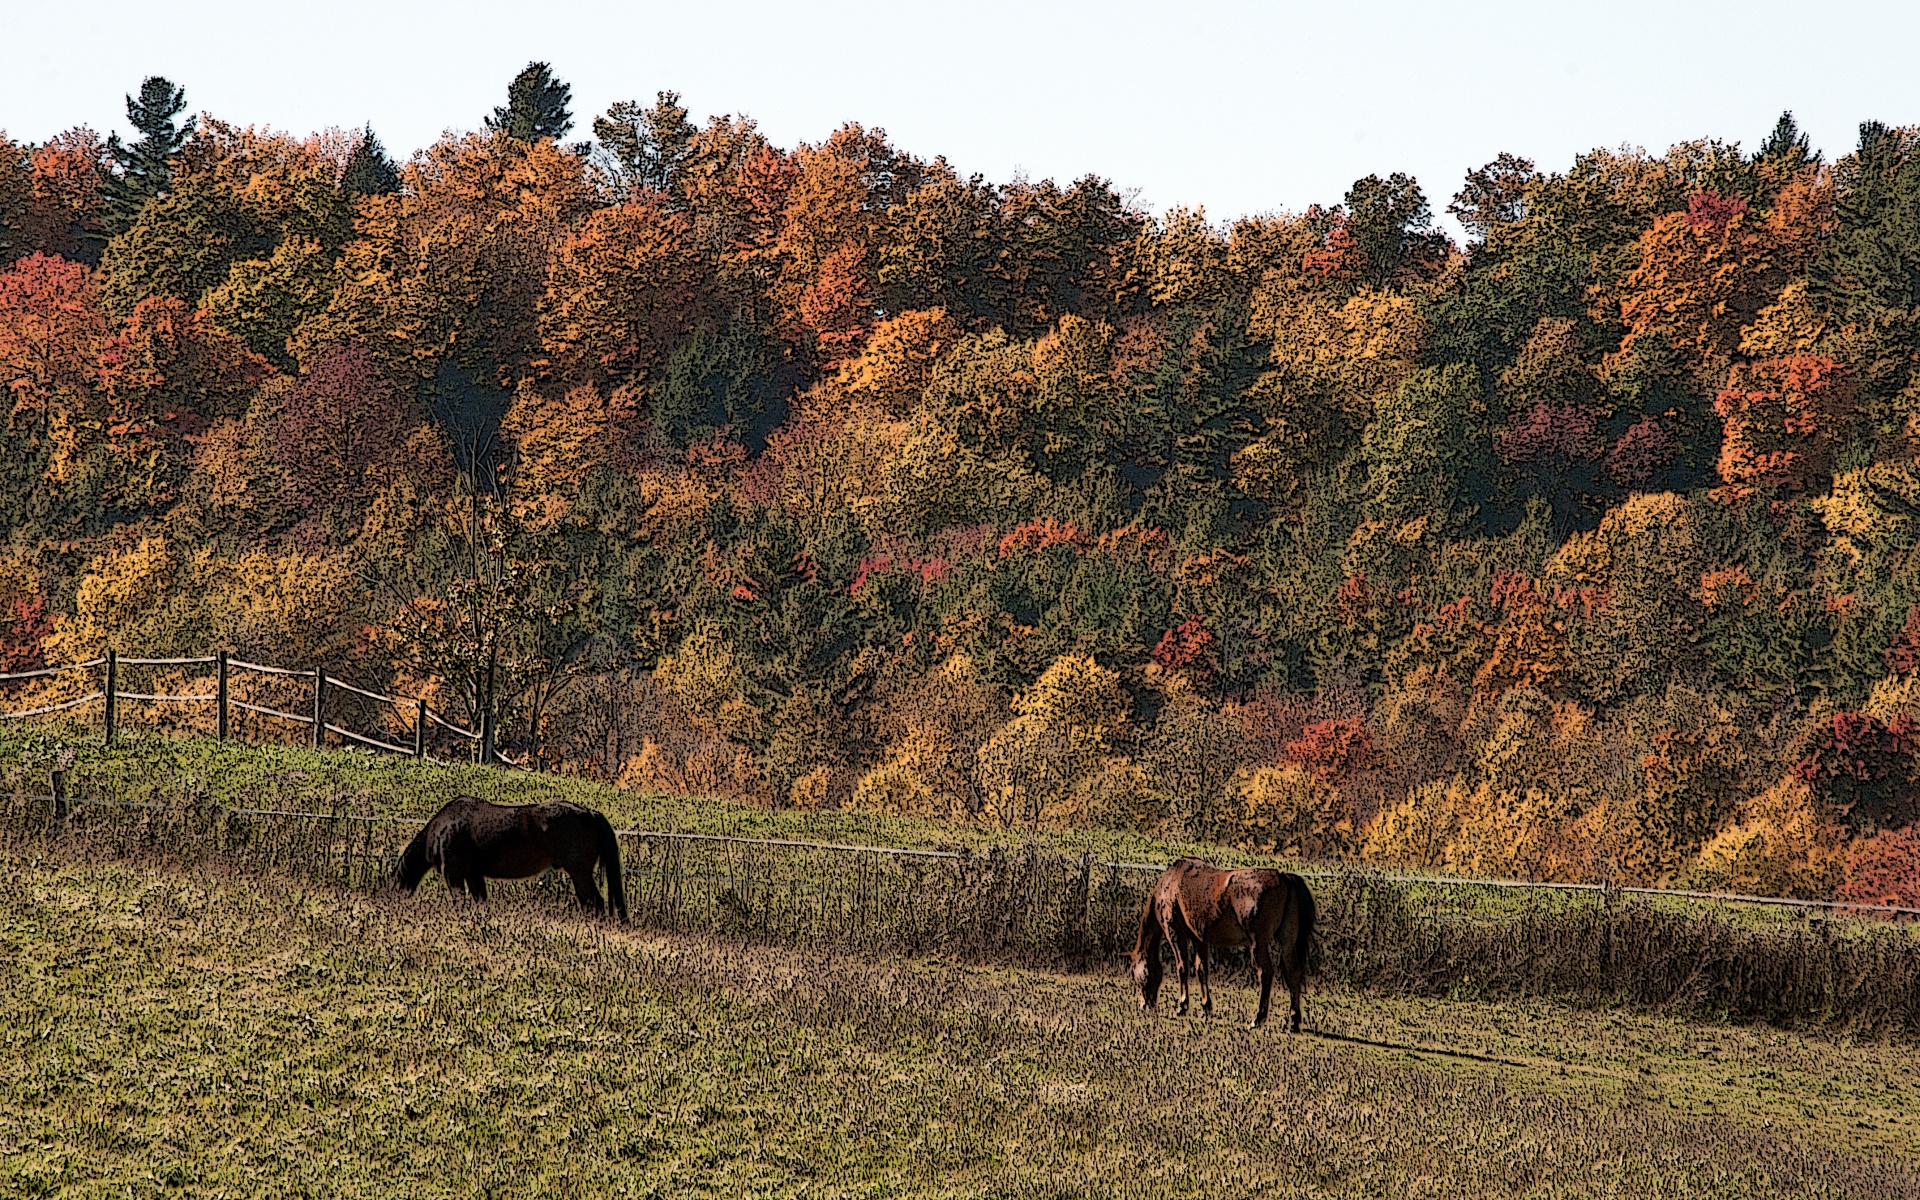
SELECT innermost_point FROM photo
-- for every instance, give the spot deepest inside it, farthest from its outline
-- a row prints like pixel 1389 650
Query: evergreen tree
pixel 536 106
pixel 369 171
pixel 1870 267
pixel 1788 143
pixel 144 169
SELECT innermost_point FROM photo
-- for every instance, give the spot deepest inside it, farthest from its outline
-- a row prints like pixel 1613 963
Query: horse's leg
pixel 454 871
pixel 1263 966
pixel 1296 984
pixel 583 887
pixel 477 884
pixel 1182 958
pixel 1205 964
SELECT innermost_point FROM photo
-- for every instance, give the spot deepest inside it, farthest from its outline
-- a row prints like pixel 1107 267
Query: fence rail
pixel 111 693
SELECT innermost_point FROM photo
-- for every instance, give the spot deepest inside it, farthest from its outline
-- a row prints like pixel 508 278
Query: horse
pixel 1196 902
pixel 471 840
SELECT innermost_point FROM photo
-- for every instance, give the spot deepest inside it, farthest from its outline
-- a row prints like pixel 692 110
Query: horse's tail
pixel 610 859
pixel 1309 912
pixel 413 864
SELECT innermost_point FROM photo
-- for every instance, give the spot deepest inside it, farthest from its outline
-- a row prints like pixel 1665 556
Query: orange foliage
pixel 1529 641
pixel 1706 272
pixel 1333 750
pixel 51 331
pixel 621 292
pixel 1037 536
pixel 1785 418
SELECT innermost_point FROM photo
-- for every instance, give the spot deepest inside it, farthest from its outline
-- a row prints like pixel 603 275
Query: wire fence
pixel 1416 935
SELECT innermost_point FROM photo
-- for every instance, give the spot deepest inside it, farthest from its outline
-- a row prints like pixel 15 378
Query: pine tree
pixel 144 169
pixel 1788 143
pixel 536 106
pixel 369 171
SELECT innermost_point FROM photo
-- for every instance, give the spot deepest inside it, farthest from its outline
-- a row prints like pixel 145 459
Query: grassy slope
pixel 156 768
pixel 193 1033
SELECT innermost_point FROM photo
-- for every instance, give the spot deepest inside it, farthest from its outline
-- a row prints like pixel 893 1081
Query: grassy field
pixel 998 896
pixel 194 1032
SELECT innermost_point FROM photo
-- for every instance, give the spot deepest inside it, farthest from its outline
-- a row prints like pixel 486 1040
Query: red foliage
pixel 1904 655
pixel 1711 210
pixel 927 570
pixel 1856 760
pixel 343 420
pixel 1333 750
pixel 1885 869
pixel 1338 258
pixel 1188 650
pixel 1354 599
pixel 1047 534
pixel 1643 450
pixel 21 632
pixel 1550 434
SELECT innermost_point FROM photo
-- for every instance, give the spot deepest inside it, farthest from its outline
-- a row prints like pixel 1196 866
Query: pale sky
pixel 1237 107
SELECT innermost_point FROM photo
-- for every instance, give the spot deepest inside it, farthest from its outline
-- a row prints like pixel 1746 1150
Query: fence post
pixel 319 708
pixel 220 730
pixel 59 794
pixel 420 729
pixel 113 678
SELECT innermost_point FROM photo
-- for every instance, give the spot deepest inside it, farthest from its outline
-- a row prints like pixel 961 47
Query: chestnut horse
pixel 1196 903
pixel 471 840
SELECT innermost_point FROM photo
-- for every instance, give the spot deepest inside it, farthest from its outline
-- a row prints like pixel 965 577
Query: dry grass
pixel 191 1031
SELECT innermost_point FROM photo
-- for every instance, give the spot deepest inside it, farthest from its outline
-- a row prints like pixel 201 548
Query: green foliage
pixel 182 244
pixel 144 170
pixel 536 106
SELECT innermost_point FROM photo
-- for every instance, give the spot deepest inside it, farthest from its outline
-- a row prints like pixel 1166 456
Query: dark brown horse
pixel 1196 906
pixel 472 840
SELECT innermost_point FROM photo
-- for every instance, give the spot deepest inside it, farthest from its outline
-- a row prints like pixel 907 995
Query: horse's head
pixel 1146 974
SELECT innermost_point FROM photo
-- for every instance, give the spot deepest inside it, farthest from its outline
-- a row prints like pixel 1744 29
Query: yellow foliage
pixel 560 442
pixel 1894 696
pixel 810 791
pixel 1064 725
pixel 893 788
pixel 1417 831
pixel 651 770
pixel 1120 796
pixel 1293 811
pixel 1792 324
pixel 1784 845
pixel 703 672
pixel 1866 512
pixel 124 600
pixel 1078 699
pixel 898 359
pixel 1511 834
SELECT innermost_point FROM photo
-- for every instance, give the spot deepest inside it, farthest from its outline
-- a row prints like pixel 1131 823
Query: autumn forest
pixel 827 477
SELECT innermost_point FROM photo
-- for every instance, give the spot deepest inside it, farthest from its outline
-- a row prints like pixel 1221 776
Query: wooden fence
pixel 110 694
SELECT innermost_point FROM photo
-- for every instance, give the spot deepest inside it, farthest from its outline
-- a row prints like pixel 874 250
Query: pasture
pixel 197 1032
pixel 206 996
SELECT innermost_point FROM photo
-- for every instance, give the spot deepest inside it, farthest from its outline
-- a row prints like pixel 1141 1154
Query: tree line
pixel 828 476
